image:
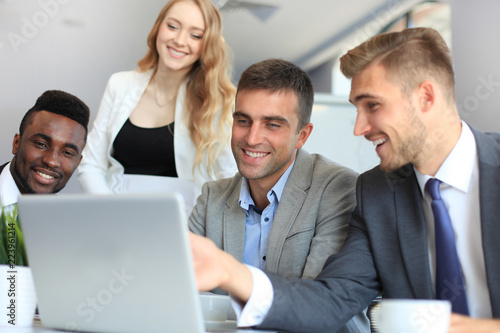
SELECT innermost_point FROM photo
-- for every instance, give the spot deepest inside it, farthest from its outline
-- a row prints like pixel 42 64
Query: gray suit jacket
pixel 310 223
pixel 386 250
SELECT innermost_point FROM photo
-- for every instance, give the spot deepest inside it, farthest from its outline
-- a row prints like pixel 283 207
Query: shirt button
pixel 266 219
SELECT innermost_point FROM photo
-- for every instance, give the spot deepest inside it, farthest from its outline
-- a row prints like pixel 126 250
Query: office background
pixel 75 45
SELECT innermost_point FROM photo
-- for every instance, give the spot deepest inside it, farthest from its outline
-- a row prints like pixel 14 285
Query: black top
pixel 146 151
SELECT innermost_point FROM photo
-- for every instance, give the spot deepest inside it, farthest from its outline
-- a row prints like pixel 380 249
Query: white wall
pixel 476 53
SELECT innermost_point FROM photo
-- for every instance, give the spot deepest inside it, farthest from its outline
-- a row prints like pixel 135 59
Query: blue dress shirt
pixel 259 222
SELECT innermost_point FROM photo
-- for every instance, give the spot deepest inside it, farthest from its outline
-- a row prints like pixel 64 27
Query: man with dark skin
pixel 48 147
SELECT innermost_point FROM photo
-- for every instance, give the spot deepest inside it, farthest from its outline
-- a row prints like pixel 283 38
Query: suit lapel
pixel 234 221
pixel 489 195
pixel 294 195
pixel 412 232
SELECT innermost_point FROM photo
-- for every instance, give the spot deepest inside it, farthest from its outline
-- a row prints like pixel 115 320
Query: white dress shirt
pixel 459 175
pixel 255 310
pixel 8 188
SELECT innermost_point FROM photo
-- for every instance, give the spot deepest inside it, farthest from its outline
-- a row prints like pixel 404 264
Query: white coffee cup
pixel 412 316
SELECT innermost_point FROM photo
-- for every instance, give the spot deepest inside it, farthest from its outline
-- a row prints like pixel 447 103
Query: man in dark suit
pixel 48 147
pixel 403 89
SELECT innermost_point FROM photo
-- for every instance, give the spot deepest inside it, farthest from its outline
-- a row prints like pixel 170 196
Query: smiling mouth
pixel 380 141
pixel 44 175
pixel 176 53
pixel 254 155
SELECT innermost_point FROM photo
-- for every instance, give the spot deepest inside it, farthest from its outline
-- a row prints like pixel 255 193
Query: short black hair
pixel 278 75
pixel 61 103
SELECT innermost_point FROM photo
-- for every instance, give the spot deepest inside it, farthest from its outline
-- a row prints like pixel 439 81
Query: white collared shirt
pixel 8 188
pixel 459 175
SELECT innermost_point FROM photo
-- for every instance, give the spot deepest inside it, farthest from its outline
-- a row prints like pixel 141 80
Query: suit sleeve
pixel 334 212
pixel 197 219
pixel 345 286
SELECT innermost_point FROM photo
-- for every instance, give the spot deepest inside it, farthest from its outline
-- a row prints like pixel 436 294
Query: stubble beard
pixel 410 148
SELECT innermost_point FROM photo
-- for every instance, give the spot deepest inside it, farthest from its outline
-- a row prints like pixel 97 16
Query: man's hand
pixel 216 268
pixel 464 324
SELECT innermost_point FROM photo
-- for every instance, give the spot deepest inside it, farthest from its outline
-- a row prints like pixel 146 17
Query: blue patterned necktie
pixel 449 280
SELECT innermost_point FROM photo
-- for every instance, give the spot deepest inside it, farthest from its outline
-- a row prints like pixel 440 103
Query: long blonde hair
pixel 208 88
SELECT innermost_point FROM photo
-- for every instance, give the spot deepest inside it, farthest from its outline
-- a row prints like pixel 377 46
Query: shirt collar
pixel 8 188
pixel 246 200
pixel 457 168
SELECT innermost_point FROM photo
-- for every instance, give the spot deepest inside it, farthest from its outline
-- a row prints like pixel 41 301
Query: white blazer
pixel 99 172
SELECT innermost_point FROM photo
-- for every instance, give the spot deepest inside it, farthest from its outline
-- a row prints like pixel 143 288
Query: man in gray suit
pixel 403 88
pixel 286 211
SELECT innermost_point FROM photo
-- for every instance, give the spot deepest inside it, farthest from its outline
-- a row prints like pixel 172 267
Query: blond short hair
pixel 410 56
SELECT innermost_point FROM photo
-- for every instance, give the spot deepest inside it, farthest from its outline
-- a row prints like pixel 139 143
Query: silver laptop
pixel 112 263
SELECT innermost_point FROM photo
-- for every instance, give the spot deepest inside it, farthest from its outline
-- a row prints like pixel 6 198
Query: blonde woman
pixel 170 117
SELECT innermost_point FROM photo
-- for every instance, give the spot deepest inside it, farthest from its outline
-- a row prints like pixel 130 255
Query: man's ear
pixel 15 144
pixel 427 95
pixel 303 135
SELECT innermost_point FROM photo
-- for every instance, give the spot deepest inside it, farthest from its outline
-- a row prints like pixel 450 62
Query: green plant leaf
pixel 9 222
pixel 3 238
pixel 21 259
